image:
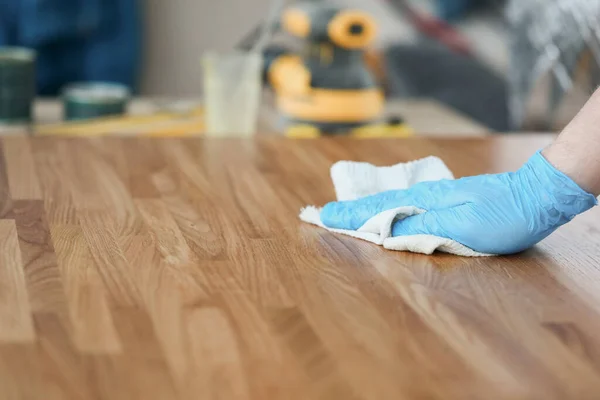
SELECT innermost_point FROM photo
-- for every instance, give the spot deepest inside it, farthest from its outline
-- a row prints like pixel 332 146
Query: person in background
pixel 75 40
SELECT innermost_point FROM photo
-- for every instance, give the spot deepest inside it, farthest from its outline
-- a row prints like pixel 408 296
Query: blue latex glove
pixel 494 214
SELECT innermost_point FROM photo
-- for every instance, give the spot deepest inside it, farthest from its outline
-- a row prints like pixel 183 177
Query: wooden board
pixel 178 269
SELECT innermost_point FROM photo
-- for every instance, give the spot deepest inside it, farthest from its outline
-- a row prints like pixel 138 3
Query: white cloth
pixel 353 180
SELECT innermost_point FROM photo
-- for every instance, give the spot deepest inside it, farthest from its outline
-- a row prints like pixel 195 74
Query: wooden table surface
pixel 178 269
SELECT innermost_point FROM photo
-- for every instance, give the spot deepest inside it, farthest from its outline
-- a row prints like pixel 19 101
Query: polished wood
pixel 178 269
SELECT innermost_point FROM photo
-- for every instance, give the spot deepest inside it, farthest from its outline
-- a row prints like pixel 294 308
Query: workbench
pixel 178 269
pixel 425 117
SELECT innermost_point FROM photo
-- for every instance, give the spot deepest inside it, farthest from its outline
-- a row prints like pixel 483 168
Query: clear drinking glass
pixel 232 89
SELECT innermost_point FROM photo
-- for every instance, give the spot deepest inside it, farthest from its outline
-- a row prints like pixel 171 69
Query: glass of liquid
pixel 232 89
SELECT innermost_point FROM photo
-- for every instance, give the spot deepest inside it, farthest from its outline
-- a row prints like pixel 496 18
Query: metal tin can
pixel 17 84
pixel 94 100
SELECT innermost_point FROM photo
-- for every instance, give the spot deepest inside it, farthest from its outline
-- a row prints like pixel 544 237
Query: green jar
pixel 17 84
pixel 90 100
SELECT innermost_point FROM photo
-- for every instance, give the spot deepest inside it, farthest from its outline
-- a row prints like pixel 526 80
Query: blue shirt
pixel 451 10
pixel 76 40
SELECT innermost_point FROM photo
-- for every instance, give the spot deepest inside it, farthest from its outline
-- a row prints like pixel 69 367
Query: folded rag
pixel 353 180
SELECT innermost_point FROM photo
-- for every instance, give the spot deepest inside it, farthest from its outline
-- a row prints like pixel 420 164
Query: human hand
pixel 495 214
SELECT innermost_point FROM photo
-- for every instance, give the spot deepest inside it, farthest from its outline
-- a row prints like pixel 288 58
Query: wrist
pixel 566 157
pixel 560 198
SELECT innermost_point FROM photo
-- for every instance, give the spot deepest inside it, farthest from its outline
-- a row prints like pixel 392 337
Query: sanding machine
pixel 327 88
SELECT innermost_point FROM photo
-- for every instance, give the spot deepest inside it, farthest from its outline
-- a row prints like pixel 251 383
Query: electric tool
pixel 327 88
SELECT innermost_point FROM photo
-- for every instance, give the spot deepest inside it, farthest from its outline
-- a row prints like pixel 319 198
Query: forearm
pixel 576 152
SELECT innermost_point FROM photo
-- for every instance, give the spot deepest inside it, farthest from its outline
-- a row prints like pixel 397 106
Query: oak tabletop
pixel 178 269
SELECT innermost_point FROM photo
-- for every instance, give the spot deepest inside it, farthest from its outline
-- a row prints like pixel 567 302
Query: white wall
pixel 179 31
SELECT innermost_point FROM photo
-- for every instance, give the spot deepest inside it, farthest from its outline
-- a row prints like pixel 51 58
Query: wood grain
pixel 15 311
pixel 22 178
pixel 178 269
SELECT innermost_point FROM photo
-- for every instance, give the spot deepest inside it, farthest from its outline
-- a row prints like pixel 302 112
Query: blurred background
pixel 508 65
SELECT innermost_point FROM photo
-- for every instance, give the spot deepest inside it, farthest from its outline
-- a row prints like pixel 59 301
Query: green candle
pixel 94 100
pixel 17 84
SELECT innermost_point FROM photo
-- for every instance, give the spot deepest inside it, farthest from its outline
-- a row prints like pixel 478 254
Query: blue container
pixel 91 100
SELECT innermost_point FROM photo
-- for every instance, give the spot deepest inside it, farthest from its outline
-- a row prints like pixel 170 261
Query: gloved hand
pixel 495 214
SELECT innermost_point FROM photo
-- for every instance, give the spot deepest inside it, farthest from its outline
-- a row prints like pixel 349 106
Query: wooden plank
pixel 217 370
pixel 22 176
pixel 93 328
pixel 140 371
pixel 166 266
pixel 50 368
pixel 55 181
pixel 44 280
pixel 15 311
pixel 114 269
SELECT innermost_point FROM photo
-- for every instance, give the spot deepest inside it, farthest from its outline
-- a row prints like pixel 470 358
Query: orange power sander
pixel 328 88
